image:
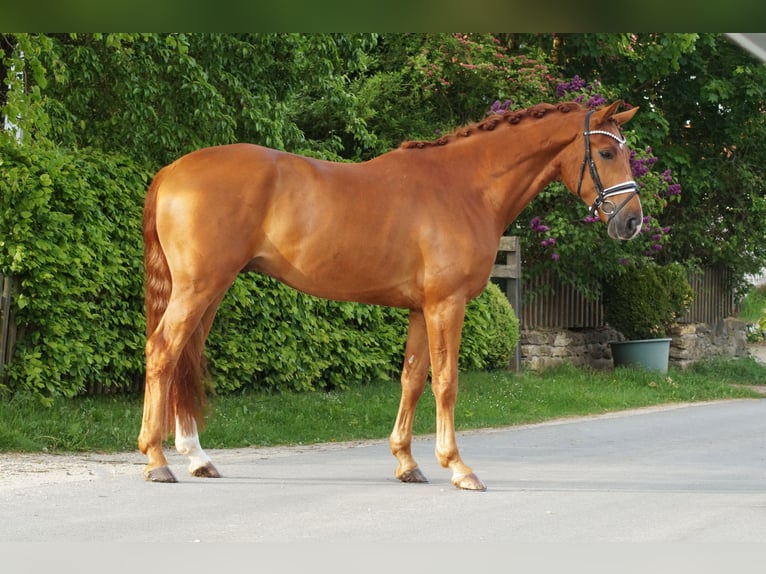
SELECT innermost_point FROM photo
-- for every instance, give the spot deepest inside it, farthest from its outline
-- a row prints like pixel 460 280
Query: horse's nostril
pixel 632 225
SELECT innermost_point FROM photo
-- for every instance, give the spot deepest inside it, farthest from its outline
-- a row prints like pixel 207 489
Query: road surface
pixel 693 473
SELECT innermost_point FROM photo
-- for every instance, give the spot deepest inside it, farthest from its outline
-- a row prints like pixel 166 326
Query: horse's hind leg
pixel 414 375
pixel 187 441
pixel 163 350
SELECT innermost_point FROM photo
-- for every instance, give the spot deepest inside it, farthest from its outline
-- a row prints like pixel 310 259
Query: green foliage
pixel 71 233
pixel 155 97
pixel 490 332
pixel 268 336
pixel 699 96
pixel 644 301
pixel 69 230
pixel 752 309
pixel 418 86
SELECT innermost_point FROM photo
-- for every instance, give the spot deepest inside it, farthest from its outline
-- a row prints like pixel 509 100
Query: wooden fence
pixel 559 306
pixel 7 324
pixel 714 296
pixel 506 273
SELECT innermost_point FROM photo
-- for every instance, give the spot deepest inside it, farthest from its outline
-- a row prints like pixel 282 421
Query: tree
pixel 154 97
pixel 702 100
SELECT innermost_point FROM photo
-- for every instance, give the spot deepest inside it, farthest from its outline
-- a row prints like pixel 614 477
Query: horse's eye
pixel 606 154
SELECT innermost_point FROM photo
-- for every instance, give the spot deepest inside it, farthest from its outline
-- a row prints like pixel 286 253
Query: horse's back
pixel 350 231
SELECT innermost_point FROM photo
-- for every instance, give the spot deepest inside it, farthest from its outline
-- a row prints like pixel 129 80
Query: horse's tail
pixel 185 393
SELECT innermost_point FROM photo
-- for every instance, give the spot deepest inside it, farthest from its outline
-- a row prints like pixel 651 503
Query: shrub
pixel 644 301
pixel 269 336
pixel 70 231
pixel 490 332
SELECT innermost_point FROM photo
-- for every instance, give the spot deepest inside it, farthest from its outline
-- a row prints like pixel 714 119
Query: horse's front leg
pixel 445 322
pixel 414 376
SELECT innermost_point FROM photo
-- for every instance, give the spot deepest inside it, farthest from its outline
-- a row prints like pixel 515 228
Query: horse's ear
pixel 610 112
pixel 604 113
pixel 624 117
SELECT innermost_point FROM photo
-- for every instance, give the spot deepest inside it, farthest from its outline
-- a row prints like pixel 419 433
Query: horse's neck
pixel 518 162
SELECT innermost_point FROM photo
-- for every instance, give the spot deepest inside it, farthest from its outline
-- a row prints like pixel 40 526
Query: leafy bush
pixel 71 232
pixel 269 336
pixel 490 332
pixel 644 301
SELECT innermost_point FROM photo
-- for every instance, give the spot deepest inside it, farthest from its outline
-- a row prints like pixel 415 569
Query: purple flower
pixel 574 85
pixel 555 256
pixel 536 225
pixel 596 101
pixel 674 189
pixel 577 83
pixel 499 108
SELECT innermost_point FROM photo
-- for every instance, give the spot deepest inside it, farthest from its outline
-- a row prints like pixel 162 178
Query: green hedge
pixel 269 336
pixel 71 232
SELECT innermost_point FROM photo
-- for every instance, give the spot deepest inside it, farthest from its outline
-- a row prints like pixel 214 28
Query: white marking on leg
pixel 189 445
pixel 411 359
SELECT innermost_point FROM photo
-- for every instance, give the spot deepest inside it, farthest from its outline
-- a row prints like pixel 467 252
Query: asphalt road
pixel 694 473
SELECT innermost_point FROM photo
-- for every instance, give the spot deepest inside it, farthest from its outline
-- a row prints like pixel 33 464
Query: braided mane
pixel 508 117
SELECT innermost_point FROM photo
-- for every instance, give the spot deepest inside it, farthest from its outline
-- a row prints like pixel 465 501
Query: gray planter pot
pixel 651 354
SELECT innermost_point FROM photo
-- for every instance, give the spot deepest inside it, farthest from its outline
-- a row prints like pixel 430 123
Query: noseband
pixel 603 201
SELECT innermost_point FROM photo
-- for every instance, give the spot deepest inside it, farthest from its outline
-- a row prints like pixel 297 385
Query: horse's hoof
pixel 469 482
pixel 413 475
pixel 160 474
pixel 206 471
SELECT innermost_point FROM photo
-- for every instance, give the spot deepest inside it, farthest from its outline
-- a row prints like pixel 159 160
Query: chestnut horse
pixel 417 228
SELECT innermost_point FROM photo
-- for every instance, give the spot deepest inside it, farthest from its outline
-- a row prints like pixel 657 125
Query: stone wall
pixel 728 338
pixel 545 348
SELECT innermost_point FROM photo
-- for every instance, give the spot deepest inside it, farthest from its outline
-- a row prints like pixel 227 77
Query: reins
pixel 602 200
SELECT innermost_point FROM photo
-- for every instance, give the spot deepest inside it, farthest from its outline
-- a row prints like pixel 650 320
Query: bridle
pixel 603 201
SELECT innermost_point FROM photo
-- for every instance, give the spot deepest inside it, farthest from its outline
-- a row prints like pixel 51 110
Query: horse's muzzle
pixel 625 225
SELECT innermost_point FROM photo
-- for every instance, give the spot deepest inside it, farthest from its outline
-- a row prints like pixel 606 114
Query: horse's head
pixel 603 178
